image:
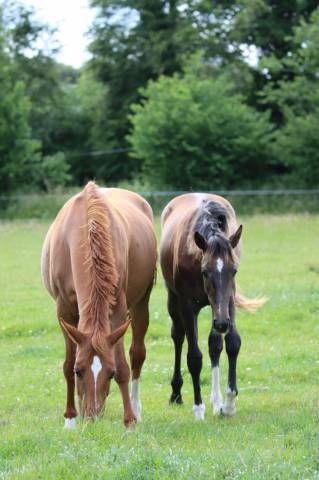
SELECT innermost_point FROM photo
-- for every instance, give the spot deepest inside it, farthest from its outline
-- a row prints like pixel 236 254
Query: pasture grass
pixel 275 432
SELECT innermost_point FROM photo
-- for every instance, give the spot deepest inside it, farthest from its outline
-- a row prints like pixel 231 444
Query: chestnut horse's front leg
pixel 64 312
pixel 140 320
pixel 122 378
pixel 122 375
pixel 68 370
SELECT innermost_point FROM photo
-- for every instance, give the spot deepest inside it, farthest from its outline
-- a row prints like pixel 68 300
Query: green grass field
pixel 275 431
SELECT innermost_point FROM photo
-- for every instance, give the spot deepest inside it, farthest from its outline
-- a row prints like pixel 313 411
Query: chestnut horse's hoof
pixel 69 424
pixel 130 422
pixel 176 399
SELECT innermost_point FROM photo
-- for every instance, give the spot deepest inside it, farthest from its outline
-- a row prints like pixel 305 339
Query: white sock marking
pixel 135 397
pixel 69 423
pixel 229 406
pixel 199 411
pixel 96 367
pixel 219 264
pixel 216 396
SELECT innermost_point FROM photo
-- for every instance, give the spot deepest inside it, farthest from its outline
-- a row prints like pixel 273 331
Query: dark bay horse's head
pixel 94 367
pixel 219 267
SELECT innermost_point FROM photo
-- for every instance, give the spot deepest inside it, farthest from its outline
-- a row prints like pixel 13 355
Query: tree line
pixel 190 94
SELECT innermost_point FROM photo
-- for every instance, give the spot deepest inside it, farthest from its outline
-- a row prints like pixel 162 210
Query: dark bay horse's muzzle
pixel 221 326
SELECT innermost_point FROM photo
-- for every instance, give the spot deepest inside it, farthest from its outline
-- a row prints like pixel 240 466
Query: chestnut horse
pixel 200 252
pixel 98 263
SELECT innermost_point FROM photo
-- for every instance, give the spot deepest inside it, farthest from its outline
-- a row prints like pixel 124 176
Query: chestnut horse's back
pixel 131 224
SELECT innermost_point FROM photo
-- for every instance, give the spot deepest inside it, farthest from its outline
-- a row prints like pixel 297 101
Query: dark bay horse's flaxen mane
pixel 100 262
pixel 211 221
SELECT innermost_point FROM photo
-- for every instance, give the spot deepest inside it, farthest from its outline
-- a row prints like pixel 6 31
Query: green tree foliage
pixel 297 145
pixel 58 115
pixel 53 171
pixel 18 152
pixel 82 125
pixel 197 127
pixel 268 25
pixel 34 65
pixel 138 40
pixel 194 132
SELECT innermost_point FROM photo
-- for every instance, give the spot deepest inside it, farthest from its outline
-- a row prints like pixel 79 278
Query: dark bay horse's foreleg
pixel 194 355
pixel 215 347
pixel 140 320
pixel 178 336
pixel 69 316
pixel 233 343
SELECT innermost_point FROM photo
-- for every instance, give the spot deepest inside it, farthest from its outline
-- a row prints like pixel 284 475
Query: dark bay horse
pixel 98 263
pixel 200 253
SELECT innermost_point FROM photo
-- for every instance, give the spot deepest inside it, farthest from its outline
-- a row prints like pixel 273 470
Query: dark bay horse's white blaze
pixel 200 253
pixel 98 263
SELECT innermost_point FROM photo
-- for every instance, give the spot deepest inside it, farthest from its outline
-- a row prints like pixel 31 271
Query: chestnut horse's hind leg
pixel 68 316
pixel 140 320
pixel 215 347
pixel 233 342
pixel 178 336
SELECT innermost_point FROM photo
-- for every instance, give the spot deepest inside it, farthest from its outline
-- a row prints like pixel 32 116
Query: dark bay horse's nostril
pixel 220 326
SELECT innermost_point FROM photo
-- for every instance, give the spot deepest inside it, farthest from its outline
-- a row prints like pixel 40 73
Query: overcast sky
pixel 72 18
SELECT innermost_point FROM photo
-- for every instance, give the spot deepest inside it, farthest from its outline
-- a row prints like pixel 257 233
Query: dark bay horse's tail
pixel 100 260
pixel 251 305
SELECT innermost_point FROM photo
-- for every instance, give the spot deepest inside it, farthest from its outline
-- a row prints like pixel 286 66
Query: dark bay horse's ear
pixel 114 337
pixel 73 333
pixel 235 237
pixel 200 241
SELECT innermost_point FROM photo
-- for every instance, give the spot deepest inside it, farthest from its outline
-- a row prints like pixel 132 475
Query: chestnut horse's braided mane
pixel 100 262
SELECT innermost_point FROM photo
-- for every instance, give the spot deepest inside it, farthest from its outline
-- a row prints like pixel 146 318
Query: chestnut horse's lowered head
pixel 219 264
pixel 94 367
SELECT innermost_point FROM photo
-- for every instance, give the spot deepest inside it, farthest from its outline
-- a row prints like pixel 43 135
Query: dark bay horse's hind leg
pixel 233 342
pixel 215 347
pixel 65 312
pixel 194 355
pixel 178 336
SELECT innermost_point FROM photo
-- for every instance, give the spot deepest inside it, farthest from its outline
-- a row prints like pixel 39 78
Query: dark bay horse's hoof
pixel 176 399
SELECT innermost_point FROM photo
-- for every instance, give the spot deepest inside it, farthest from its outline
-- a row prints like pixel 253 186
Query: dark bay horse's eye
pixel 78 372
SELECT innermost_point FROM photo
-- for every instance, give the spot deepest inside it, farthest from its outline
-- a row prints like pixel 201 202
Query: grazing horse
pixel 199 253
pixel 98 263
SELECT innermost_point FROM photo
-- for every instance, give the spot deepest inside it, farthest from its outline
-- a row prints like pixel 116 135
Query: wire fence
pixel 279 201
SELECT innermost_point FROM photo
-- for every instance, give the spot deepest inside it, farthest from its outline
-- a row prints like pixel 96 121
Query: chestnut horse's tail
pixel 100 260
pixel 251 305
